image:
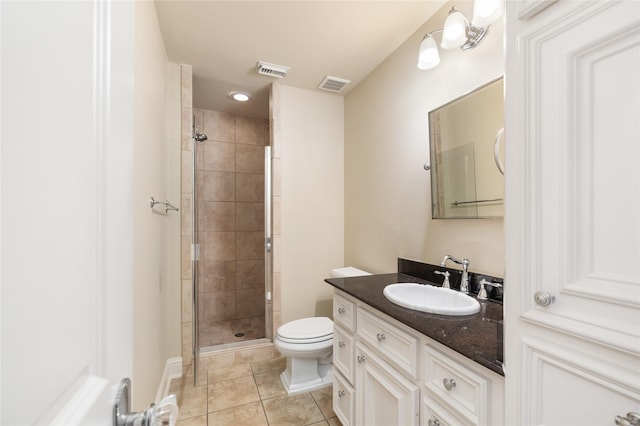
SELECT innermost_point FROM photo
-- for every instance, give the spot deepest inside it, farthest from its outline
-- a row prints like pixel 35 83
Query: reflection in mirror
pixel 466 147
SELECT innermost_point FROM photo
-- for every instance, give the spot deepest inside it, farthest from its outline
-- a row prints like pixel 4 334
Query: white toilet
pixel 308 345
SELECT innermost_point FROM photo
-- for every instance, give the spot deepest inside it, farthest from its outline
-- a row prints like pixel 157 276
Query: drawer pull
pixel 380 337
pixel 360 359
pixel 341 393
pixel 449 383
pixel 543 298
pixel 341 344
pixel 434 422
pixel 341 311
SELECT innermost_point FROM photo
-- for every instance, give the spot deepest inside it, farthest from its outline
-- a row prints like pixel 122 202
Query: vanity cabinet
pixel 456 392
pixel 572 217
pixel 384 396
pixel 344 359
pixel 386 373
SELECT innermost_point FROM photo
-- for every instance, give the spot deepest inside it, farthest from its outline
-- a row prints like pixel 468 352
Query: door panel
pixel 66 212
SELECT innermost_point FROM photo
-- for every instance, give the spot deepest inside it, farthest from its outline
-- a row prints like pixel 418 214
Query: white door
pixel 572 312
pixel 66 220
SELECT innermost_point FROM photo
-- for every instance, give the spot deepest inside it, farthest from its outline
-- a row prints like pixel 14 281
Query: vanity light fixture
pixel 459 32
pixel 240 96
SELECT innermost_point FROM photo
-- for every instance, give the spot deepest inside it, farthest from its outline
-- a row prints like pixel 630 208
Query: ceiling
pixel 224 40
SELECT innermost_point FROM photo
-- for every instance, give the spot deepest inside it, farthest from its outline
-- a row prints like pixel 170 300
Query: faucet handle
pixel 482 293
pixel 445 282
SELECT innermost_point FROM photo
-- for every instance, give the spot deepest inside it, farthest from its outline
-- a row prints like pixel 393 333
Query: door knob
pixel 543 298
pixel 162 414
pixel 631 419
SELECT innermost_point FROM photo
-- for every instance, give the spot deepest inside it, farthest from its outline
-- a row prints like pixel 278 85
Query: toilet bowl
pixel 308 345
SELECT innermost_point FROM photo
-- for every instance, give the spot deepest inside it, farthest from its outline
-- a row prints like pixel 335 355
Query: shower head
pixel 199 137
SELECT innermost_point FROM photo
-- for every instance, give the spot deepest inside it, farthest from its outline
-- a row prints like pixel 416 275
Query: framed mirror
pixel 466 146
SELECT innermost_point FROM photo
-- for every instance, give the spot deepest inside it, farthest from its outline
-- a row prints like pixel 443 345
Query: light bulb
pixel 455 30
pixel 486 12
pixel 240 96
pixel 428 56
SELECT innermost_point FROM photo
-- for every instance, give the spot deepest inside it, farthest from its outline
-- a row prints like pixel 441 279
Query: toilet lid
pixel 307 329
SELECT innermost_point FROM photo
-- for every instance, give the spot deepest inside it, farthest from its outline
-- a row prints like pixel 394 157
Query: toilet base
pixel 304 375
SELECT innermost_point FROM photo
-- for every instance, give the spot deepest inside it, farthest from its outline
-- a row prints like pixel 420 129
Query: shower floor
pixel 231 331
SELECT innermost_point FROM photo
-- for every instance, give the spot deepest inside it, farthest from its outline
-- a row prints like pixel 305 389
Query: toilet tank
pixel 348 271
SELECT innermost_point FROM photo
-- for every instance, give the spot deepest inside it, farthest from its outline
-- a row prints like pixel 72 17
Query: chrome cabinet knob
pixel 449 383
pixel 360 358
pixel 434 422
pixel 341 393
pixel 341 311
pixel 380 337
pixel 543 298
pixel 341 344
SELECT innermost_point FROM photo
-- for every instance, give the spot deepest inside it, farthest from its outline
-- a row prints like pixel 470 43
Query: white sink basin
pixel 427 298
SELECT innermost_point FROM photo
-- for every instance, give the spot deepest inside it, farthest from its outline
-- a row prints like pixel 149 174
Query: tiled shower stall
pixel 230 176
pixel 230 194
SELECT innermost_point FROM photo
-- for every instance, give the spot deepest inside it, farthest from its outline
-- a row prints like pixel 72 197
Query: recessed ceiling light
pixel 240 96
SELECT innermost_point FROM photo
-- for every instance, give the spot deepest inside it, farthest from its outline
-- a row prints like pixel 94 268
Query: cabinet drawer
pixel 343 400
pixel 434 414
pixel 458 386
pixel 397 346
pixel 344 312
pixel 344 352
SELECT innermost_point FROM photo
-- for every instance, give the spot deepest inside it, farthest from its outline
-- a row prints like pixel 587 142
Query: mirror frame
pixel 436 186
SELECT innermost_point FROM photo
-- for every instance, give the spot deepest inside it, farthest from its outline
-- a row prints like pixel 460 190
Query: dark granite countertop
pixel 477 336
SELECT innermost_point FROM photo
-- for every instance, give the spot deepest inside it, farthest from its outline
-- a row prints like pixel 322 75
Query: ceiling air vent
pixel 272 70
pixel 333 84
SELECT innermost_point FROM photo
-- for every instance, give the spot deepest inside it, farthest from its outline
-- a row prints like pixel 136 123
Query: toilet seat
pixel 306 330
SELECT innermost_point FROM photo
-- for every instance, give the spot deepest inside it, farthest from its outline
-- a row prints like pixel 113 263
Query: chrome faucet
pixel 464 282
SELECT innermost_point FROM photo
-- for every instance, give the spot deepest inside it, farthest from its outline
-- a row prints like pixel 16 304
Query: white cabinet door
pixel 573 211
pixel 384 397
pixel 66 150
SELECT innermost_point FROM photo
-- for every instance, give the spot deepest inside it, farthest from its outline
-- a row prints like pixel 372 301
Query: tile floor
pixel 243 387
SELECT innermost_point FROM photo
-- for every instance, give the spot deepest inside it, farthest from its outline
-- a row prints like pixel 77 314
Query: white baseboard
pixel 172 370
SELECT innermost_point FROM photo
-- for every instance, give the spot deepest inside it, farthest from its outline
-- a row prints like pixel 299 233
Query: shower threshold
pixel 235 345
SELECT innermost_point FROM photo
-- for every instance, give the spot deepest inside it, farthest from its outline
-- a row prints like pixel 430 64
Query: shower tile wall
pixel 230 194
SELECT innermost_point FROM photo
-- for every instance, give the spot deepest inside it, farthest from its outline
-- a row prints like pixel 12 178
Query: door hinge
pixel 195 252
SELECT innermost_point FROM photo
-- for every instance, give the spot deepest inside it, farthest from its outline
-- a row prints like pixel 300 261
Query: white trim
pixel 83 400
pixel 172 370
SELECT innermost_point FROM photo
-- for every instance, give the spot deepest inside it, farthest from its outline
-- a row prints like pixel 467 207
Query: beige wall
pixel 387 191
pixel 311 133
pixel 150 227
